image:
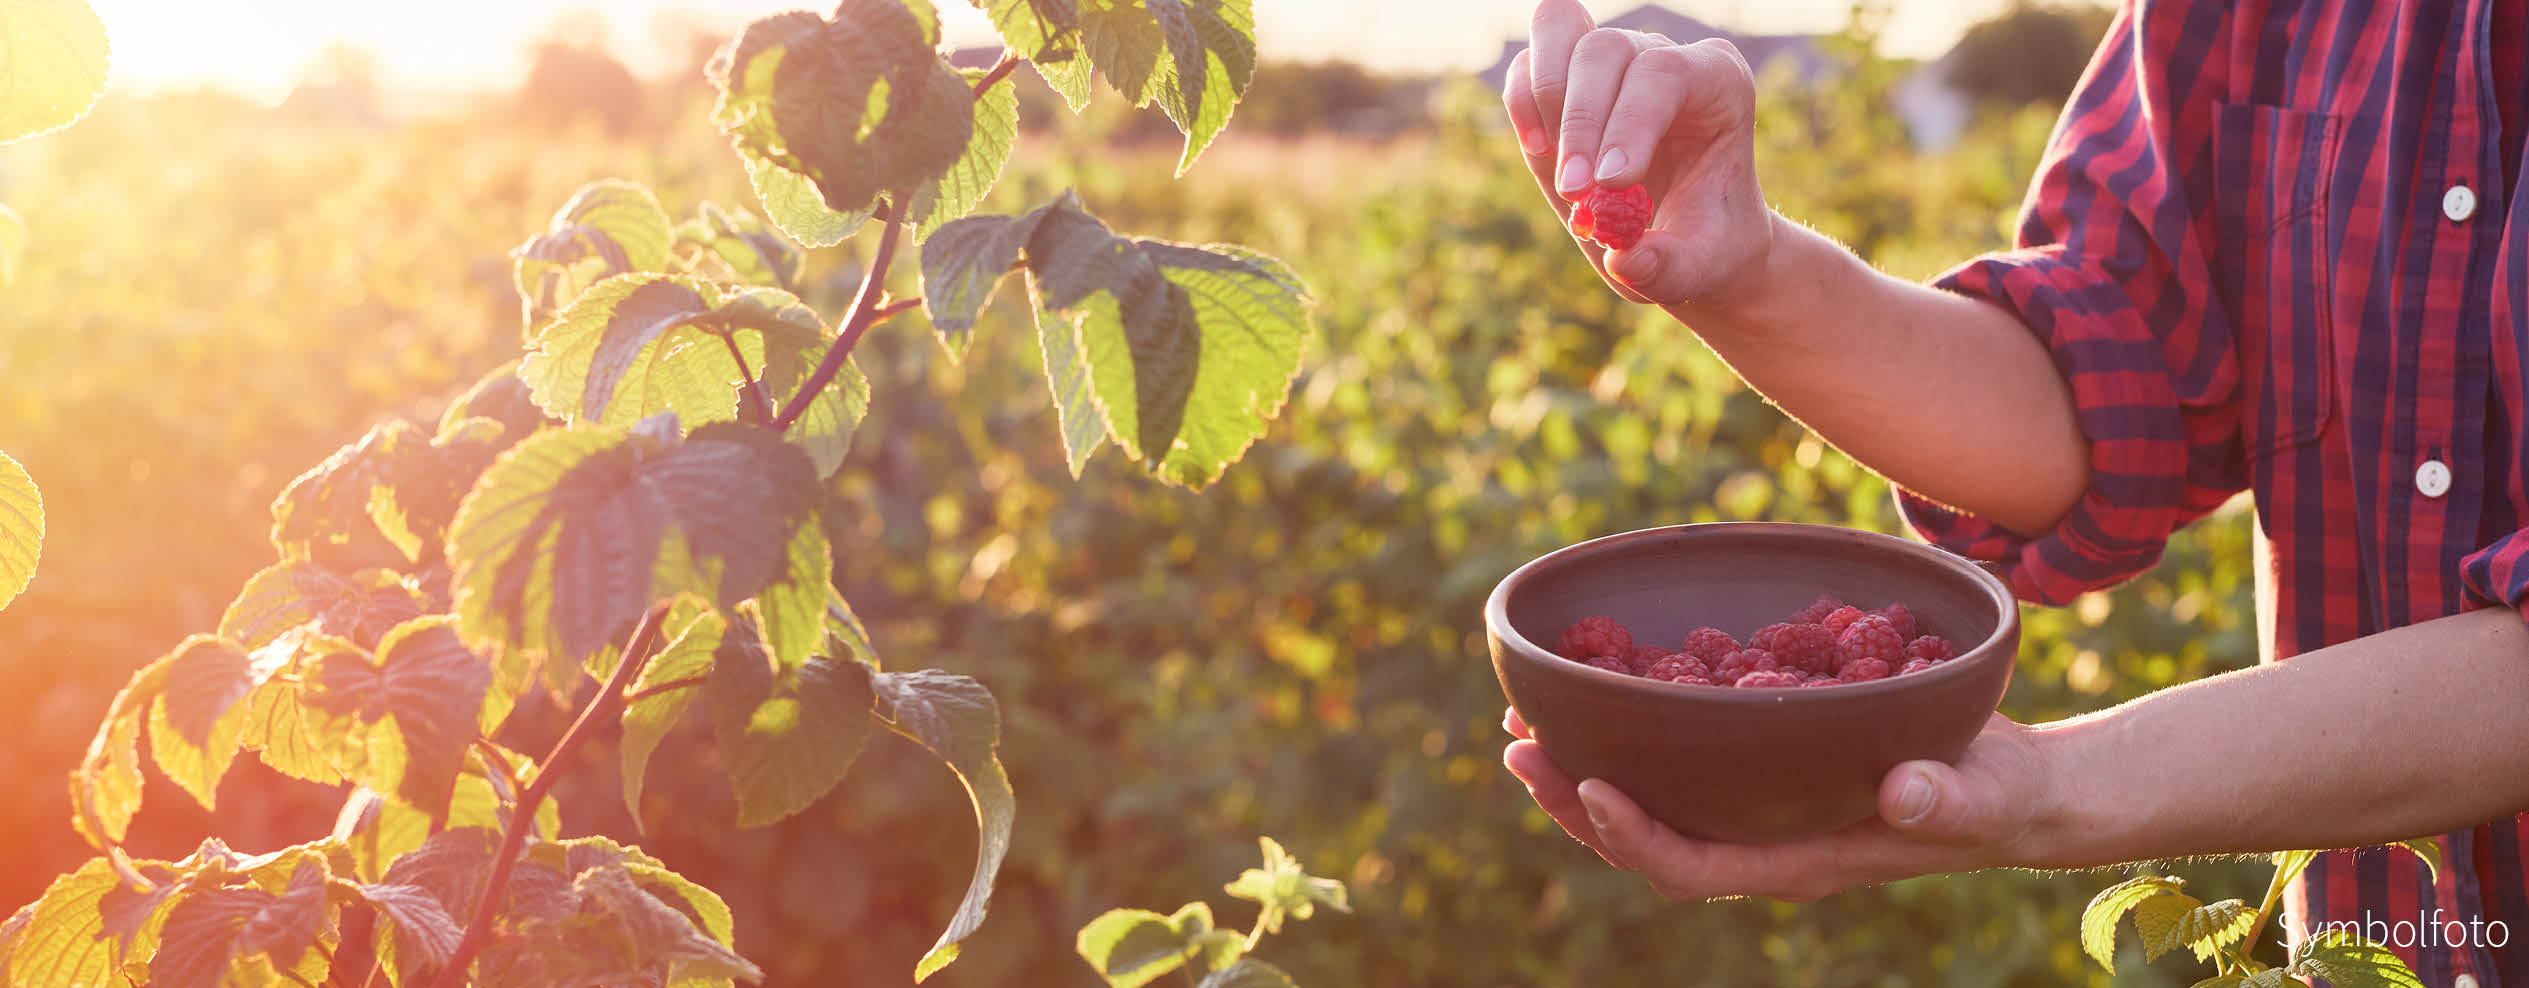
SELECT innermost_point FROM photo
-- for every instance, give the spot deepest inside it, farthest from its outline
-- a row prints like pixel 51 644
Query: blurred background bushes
pixel 220 293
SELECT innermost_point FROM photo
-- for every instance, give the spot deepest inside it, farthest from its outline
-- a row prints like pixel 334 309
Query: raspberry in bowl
pixel 1699 649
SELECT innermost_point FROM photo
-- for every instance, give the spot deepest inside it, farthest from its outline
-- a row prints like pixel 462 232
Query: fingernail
pixel 1575 176
pixel 1915 799
pixel 1637 265
pixel 1610 164
pixel 1597 813
pixel 1534 141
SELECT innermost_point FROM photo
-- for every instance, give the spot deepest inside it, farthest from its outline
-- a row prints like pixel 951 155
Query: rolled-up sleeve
pixel 2500 572
pixel 2111 273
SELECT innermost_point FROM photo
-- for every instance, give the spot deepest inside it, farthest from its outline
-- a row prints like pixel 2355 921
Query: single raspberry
pixel 1870 637
pixel 1710 644
pixel 1913 666
pixel 1742 662
pixel 1822 681
pixel 1931 648
pixel 1609 663
pixel 1613 217
pixel 1594 636
pixel 1775 679
pixel 1864 670
pixel 1677 668
pixel 1817 612
pixel 1643 657
pixel 1841 618
pixel 1806 647
pixel 1898 618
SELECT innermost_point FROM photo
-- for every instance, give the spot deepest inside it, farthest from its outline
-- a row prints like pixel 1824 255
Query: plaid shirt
pixel 2276 246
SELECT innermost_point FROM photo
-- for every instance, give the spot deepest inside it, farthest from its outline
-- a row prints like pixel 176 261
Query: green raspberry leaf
pixel 412 707
pixel 608 227
pixel 2158 920
pixel 215 932
pixel 693 634
pixel 958 191
pixel 963 263
pixel 52 65
pixel 420 928
pixel 21 529
pixel 1045 32
pixel 2206 929
pixel 635 346
pixel 573 533
pixel 2099 918
pixel 1131 947
pixel 295 592
pixel 105 791
pixel 2348 961
pixel 1190 350
pixel 786 736
pixel 956 718
pixel 1195 58
pixel 195 725
pixel 732 245
pixel 861 105
pixel 61 937
pixel 1248 973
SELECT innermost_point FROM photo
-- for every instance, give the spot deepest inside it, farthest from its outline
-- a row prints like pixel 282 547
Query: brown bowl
pixel 1747 765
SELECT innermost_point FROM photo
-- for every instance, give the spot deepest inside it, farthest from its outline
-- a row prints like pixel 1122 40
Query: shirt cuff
pixel 2500 572
pixel 2154 464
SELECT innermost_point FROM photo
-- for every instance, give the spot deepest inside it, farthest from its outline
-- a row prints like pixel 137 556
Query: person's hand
pixel 1617 108
pixel 1933 818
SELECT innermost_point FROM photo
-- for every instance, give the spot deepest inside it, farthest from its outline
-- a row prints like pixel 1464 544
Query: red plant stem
pixel 522 817
pixel 1000 70
pixel 762 405
pixel 894 306
pixel 864 314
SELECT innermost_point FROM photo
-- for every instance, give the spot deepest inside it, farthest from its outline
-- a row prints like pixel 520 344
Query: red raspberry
pixel 1864 670
pixel 1806 647
pixel 1609 663
pixel 1680 667
pixel 1899 618
pixel 1913 666
pixel 1742 662
pixel 1841 618
pixel 1775 679
pixel 1613 217
pixel 1595 636
pixel 1817 612
pixel 1710 644
pixel 1822 681
pixel 1870 637
pixel 1931 648
pixel 1643 657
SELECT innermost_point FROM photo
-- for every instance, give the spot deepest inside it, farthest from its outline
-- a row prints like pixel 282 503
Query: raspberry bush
pixel 636 518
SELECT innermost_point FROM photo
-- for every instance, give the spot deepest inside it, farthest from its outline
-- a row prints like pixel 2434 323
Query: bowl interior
pixel 1662 583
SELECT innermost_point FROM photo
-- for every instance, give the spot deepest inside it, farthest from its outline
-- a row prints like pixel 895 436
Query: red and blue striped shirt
pixel 2280 247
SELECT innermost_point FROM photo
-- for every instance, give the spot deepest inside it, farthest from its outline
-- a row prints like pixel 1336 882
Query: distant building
pixel 1806 62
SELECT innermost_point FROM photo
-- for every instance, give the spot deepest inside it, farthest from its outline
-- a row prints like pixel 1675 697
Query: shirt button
pixel 2433 478
pixel 2464 981
pixel 2459 203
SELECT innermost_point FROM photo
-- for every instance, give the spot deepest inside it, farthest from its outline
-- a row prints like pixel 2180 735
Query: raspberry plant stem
pixel 1000 70
pixel 655 689
pixel 864 314
pixel 761 406
pixel 522 816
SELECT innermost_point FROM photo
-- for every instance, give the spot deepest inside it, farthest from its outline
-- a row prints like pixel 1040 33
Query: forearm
pixel 2400 734
pixel 1948 396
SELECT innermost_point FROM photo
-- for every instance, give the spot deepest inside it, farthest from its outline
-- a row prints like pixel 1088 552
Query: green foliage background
pixel 1295 652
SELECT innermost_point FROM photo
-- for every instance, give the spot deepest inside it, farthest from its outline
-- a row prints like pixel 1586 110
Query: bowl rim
pixel 1497 616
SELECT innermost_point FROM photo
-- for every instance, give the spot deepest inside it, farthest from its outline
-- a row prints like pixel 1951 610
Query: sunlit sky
pixel 260 46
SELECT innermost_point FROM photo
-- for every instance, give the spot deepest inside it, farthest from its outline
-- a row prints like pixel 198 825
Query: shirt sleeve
pixel 2500 572
pixel 2110 271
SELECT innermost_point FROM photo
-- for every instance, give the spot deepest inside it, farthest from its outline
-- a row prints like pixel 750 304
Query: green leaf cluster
pixel 2166 917
pixel 1132 947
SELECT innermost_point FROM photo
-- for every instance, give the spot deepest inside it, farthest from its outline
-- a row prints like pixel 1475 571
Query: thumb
pixel 1931 801
pixel 1664 268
